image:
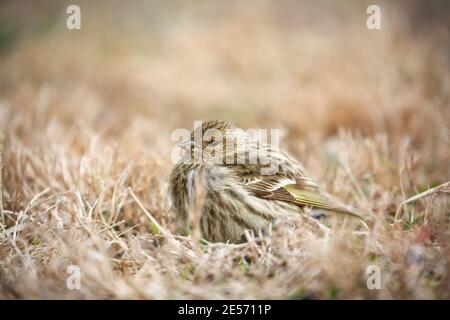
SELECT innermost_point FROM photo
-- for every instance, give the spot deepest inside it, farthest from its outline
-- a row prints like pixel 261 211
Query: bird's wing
pixel 290 184
pixel 301 191
pixel 296 189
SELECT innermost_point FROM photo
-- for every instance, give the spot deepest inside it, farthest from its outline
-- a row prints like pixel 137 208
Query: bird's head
pixel 211 143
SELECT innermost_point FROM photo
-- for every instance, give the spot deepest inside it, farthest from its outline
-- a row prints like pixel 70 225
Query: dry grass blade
pixel 163 231
pixel 442 188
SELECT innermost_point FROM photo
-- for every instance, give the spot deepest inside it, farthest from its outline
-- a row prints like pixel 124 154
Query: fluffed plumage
pixel 238 194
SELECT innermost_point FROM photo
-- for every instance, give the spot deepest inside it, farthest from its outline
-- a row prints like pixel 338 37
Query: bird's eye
pixel 215 142
pixel 212 141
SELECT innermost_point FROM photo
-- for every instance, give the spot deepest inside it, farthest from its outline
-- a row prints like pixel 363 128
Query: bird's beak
pixel 186 145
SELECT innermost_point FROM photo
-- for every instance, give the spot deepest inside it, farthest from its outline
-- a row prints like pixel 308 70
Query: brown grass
pixel 86 118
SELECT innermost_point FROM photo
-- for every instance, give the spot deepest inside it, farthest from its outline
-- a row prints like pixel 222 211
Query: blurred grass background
pixel 308 67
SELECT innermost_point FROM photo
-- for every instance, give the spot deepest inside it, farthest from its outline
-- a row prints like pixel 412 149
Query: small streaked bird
pixel 238 194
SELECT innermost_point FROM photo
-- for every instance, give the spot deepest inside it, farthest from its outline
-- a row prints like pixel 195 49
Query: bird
pixel 240 192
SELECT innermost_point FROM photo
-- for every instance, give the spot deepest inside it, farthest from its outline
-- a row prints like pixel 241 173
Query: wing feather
pixel 291 185
pixel 301 191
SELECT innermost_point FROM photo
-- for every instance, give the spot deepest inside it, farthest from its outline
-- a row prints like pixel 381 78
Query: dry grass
pixel 86 119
